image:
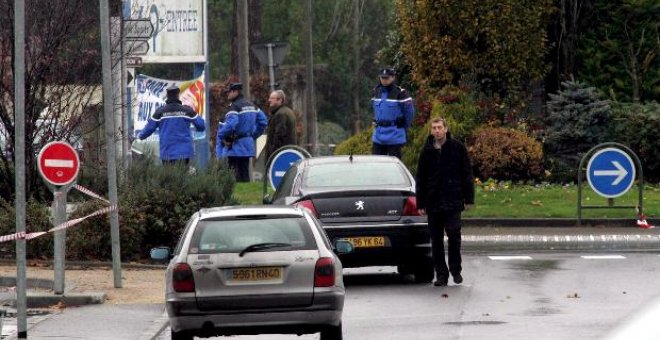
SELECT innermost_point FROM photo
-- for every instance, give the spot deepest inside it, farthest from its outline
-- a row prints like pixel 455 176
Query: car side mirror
pixel 160 253
pixel 267 199
pixel 343 247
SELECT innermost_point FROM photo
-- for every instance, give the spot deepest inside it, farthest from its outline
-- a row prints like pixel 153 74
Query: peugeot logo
pixel 359 205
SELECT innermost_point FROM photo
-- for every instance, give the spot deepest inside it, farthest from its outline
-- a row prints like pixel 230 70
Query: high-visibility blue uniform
pixel 173 123
pixel 393 114
pixel 243 124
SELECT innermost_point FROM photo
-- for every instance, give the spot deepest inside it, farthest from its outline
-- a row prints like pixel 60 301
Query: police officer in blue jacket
pixel 393 114
pixel 173 123
pixel 243 124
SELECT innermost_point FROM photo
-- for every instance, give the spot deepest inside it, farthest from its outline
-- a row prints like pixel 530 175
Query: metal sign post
pixel 58 164
pixel 272 55
pixel 611 172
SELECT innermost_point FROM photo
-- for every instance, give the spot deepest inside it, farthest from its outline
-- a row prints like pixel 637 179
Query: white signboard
pixel 178 35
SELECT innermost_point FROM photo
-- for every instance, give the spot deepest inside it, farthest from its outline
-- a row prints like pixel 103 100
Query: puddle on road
pixel 537 265
pixel 469 323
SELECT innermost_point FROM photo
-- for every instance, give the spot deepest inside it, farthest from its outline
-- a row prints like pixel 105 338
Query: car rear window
pixel 355 174
pixel 232 236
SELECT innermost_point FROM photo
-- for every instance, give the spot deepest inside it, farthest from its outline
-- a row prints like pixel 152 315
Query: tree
pixel 620 50
pixel 63 74
pixel 577 121
pixel 502 43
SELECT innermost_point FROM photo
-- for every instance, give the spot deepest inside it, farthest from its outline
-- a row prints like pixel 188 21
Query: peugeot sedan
pixel 253 270
pixel 368 201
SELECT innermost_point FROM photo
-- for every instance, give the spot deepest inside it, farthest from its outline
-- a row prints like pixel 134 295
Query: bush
pixel 359 144
pixel 459 109
pixel 637 126
pixel 577 121
pixel 37 216
pixel 505 154
pixel 332 134
pixel 155 202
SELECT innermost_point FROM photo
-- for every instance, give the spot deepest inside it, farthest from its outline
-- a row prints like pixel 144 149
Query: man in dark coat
pixel 445 188
pixel 282 124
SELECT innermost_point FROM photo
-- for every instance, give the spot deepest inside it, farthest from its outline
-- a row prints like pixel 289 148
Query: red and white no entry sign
pixel 58 163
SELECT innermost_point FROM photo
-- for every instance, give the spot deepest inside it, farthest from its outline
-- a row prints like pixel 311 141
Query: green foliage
pixel 637 127
pixel 37 218
pixel 333 44
pixel 459 109
pixel 619 50
pixel 500 41
pixel 155 203
pixel 577 121
pixel 359 144
pixel 505 154
pixel 331 134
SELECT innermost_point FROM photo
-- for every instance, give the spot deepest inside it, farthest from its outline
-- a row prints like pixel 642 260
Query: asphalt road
pixel 579 295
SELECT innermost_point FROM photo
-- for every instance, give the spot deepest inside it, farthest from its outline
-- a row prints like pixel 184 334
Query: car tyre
pixel 181 335
pixel 332 333
pixel 423 270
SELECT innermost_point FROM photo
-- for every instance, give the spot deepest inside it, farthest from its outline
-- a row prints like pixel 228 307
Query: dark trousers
pixel 241 167
pixel 185 161
pixel 387 150
pixel 439 223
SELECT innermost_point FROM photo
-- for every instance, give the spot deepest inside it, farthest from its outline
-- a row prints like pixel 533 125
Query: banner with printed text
pixel 151 94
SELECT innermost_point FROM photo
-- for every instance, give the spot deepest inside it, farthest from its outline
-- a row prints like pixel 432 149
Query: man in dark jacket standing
pixel 445 188
pixel 393 114
pixel 173 122
pixel 243 124
pixel 282 124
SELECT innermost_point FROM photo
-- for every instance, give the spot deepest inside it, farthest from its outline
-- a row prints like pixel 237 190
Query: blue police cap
pixel 234 86
pixel 386 72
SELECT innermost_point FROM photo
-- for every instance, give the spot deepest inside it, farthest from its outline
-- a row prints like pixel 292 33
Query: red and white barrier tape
pixel 73 222
pixel 29 236
pixel 641 222
pixel 90 193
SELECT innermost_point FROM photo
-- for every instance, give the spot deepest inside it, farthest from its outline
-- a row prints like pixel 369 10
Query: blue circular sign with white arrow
pixel 281 163
pixel 611 172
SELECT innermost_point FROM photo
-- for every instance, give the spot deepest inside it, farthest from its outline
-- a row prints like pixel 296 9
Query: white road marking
pixel 603 257
pixel 59 163
pixel 507 258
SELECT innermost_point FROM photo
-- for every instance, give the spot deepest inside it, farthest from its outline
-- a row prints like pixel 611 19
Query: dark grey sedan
pixel 367 200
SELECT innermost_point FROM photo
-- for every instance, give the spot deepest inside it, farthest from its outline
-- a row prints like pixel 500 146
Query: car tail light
pixel 324 274
pixel 307 204
pixel 182 278
pixel 410 208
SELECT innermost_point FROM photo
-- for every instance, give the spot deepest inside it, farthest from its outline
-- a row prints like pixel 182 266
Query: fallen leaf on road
pixel 573 296
pixel 445 296
pixel 60 305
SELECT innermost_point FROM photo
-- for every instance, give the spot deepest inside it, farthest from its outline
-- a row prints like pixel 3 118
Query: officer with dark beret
pixel 236 135
pixel 173 123
pixel 393 114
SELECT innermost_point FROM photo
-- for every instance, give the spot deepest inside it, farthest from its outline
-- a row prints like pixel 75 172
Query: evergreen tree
pixel 577 121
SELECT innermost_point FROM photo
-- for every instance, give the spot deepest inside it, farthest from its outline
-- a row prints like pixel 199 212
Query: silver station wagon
pixel 254 270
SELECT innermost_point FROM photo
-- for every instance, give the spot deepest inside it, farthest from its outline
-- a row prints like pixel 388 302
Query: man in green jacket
pixel 282 124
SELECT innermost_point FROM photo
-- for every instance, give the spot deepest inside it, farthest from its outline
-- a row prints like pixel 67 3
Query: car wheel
pixel 404 269
pixel 332 333
pixel 181 335
pixel 423 270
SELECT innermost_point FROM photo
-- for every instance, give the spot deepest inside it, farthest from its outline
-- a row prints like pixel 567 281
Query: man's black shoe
pixel 458 279
pixel 440 283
